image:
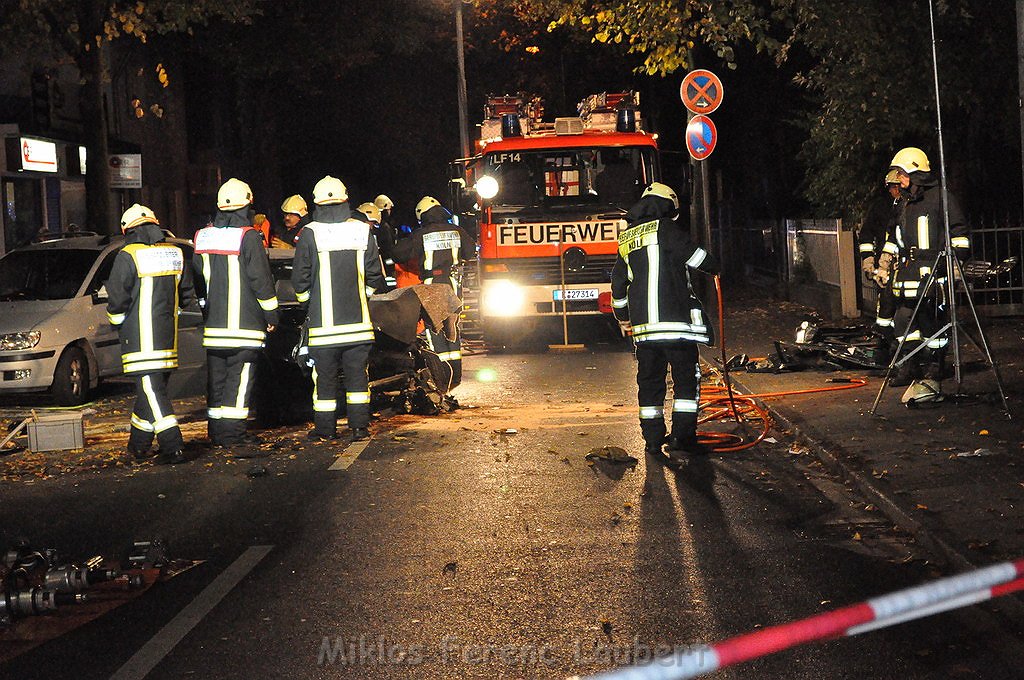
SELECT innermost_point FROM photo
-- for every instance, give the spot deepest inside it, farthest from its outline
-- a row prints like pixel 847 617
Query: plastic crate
pixel 56 432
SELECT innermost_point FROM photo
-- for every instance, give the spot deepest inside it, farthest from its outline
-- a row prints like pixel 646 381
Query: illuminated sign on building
pixel 38 155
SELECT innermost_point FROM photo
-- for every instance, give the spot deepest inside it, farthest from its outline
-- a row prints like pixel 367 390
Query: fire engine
pixel 549 200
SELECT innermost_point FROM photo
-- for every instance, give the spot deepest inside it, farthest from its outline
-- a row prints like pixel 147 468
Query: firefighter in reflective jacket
pixel 148 284
pixel 438 247
pixel 879 223
pixel 384 239
pixel 239 301
pixel 907 259
pixel 336 269
pixel 653 299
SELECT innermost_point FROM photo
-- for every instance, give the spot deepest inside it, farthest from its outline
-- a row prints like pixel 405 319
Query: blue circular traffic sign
pixel 701 137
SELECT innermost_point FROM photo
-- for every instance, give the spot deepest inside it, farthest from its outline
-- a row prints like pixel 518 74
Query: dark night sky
pixel 389 123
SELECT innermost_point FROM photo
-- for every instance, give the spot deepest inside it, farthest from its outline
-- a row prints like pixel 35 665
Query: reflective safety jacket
pixel 437 248
pixel 336 269
pixel 236 289
pixel 920 235
pixel 148 283
pixel 651 277
pixel 879 222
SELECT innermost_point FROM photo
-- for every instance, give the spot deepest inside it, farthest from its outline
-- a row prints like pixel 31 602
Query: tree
pixel 868 69
pixel 82 31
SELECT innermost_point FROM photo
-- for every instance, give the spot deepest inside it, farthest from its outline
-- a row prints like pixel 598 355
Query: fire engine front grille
pixel 570 306
pixel 598 269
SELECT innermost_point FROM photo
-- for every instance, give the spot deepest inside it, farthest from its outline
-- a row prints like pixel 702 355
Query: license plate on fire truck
pixel 576 293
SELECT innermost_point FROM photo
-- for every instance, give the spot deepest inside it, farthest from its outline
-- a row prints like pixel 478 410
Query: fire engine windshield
pixel 613 176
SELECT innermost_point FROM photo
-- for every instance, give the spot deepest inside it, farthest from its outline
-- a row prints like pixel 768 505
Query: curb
pixel 1011 609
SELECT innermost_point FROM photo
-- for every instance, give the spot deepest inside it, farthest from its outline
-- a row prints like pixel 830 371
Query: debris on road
pixel 614 454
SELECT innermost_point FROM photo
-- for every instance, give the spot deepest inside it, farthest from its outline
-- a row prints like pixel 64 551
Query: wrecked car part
pixel 17 604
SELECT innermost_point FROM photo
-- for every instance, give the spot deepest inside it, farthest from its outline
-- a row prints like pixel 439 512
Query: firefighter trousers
pixel 230 379
pixel 653 362
pixel 930 318
pixel 354 361
pixel 153 415
pixel 885 315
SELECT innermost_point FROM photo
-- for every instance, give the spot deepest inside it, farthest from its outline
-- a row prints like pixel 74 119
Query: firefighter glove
pixel 884 269
pixel 867 265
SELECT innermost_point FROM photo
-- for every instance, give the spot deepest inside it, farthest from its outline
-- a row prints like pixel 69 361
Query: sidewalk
pixel 951 475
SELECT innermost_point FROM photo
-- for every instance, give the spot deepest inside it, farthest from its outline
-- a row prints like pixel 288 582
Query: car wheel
pixel 71 378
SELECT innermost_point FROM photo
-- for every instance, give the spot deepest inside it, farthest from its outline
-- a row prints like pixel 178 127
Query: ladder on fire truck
pixel 470 317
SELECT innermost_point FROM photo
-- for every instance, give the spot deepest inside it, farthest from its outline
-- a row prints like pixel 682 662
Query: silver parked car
pixel 54 332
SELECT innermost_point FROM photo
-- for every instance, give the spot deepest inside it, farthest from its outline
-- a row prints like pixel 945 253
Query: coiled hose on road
pixel 719 402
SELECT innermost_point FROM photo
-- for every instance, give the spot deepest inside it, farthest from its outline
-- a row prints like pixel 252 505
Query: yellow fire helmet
pixel 911 159
pixel 136 215
pixel 383 202
pixel 296 205
pixel 234 194
pixel 892 177
pixel 425 204
pixel 662 191
pixel 329 191
pixel 371 211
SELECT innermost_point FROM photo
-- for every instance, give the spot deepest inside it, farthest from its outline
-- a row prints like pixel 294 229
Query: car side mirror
pixel 100 296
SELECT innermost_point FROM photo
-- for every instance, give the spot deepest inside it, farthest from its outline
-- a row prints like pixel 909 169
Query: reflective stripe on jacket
pixel 236 287
pixel 336 269
pixel 651 283
pixel 147 285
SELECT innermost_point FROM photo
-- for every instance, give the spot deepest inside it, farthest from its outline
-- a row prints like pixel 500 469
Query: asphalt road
pixel 453 548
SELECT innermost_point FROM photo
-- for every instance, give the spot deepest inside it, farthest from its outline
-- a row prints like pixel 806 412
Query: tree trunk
pixel 93 68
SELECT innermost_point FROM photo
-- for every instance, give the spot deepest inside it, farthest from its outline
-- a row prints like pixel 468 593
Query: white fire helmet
pixel 234 194
pixel 295 205
pixel 136 215
pixel 329 191
pixel 922 391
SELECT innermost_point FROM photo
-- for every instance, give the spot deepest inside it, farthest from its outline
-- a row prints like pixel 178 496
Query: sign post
pixel 702 92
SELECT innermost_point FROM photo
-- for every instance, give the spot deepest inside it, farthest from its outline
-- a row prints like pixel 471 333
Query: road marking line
pixel 349 455
pixel 161 644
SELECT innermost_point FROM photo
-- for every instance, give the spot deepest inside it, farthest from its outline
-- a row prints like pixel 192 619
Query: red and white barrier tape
pixel 880 612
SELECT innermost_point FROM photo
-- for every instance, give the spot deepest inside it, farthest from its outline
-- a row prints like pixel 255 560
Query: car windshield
pixel 49 274
pixel 610 176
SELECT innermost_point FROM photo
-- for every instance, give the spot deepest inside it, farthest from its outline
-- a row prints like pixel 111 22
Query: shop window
pixel 22 211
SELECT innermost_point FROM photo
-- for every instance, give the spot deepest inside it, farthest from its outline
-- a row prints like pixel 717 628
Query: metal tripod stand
pixel 951 269
pixel 952 325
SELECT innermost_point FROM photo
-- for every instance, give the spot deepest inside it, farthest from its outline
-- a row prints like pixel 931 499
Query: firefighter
pixel 296 216
pixel 385 242
pixel 906 264
pixel 239 301
pixel 148 284
pixel 879 222
pixel 336 269
pixel 437 248
pixel 652 298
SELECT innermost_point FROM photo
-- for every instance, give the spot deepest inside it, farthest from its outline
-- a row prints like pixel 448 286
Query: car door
pixel 105 342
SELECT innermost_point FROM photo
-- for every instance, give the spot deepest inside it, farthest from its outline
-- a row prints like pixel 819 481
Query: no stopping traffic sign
pixel 701 137
pixel 701 91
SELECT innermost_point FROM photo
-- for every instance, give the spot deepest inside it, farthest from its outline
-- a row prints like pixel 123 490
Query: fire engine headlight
pixel 486 187
pixel 502 298
pixel 9 341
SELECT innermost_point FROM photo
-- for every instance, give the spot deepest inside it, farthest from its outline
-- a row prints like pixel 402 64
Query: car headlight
pixel 9 341
pixel 502 298
pixel 486 187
